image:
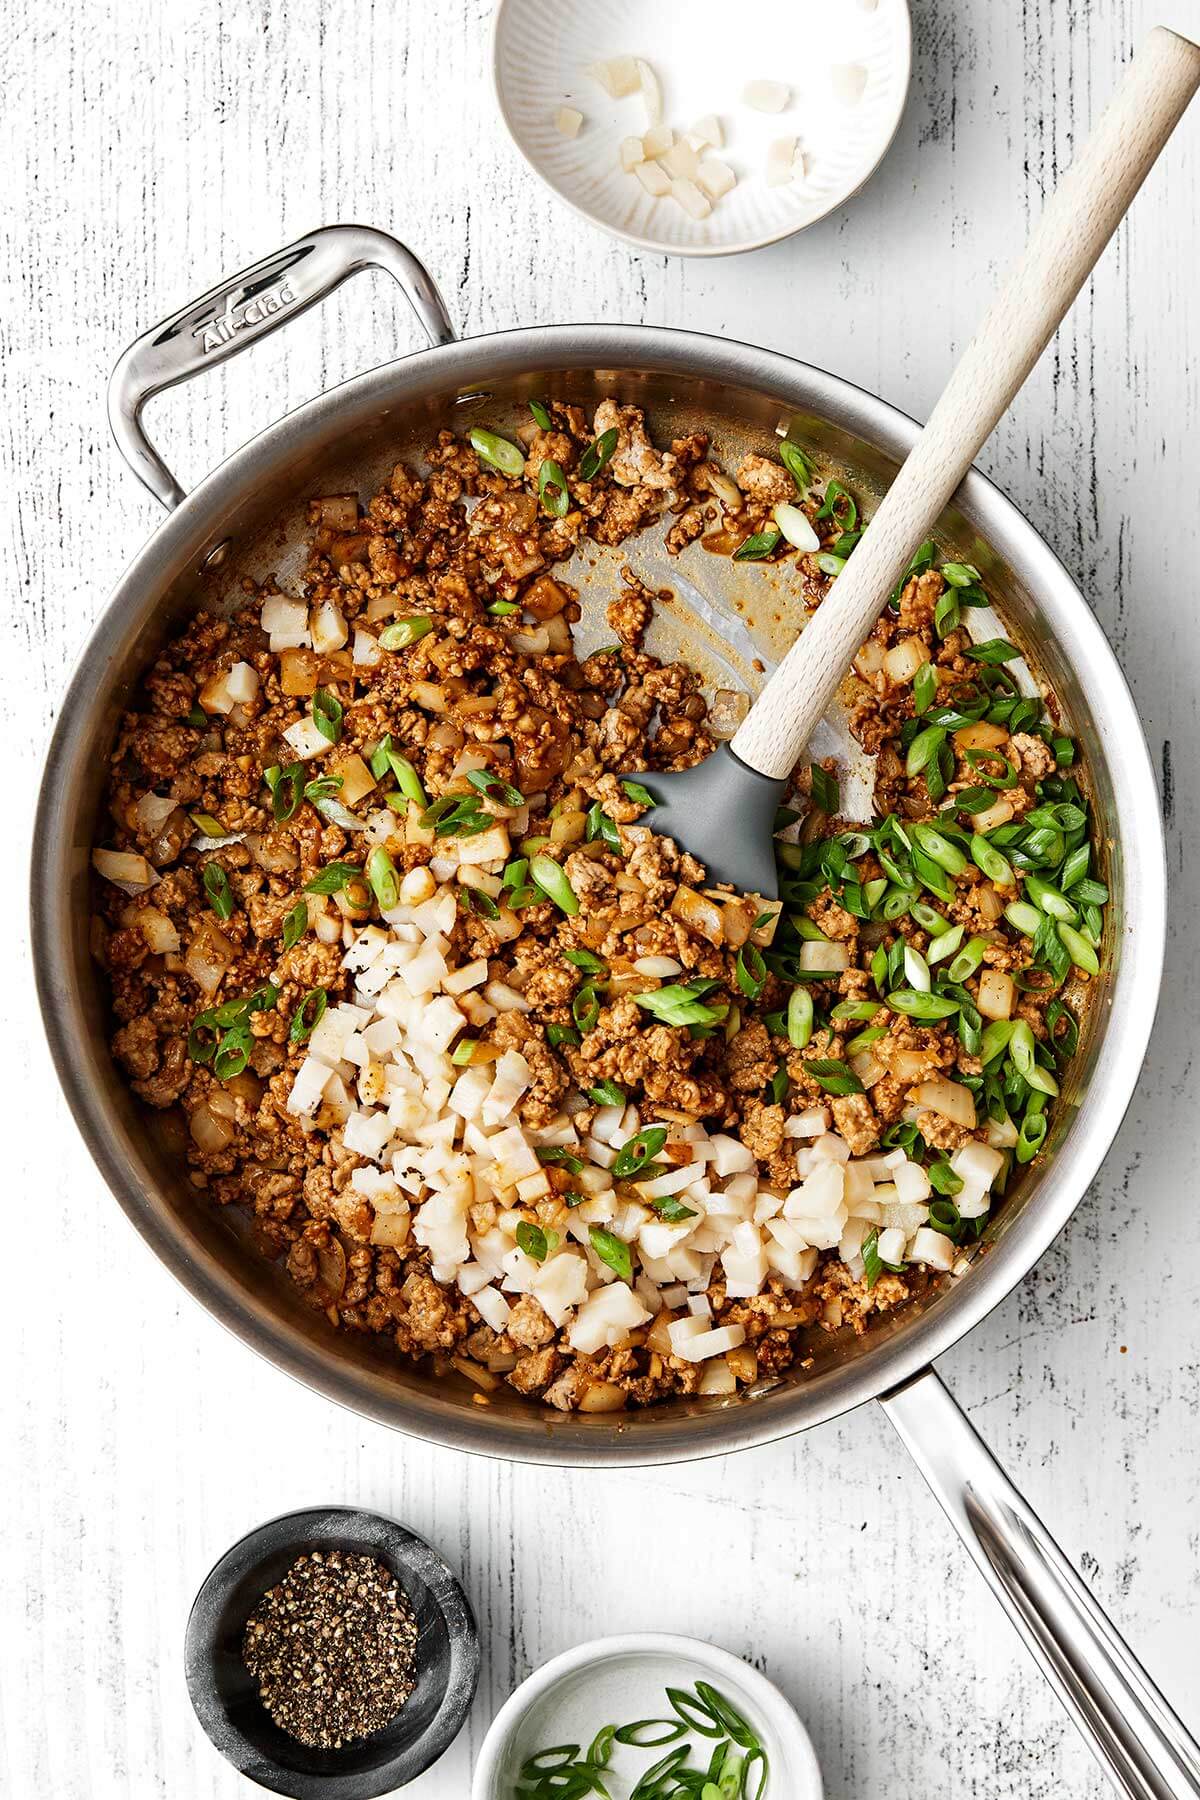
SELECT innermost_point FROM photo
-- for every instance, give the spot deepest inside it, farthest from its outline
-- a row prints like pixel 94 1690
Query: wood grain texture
pixel 150 149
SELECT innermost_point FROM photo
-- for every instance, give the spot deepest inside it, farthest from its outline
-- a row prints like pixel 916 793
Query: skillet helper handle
pixel 1138 1741
pixel 241 311
pixel 1068 241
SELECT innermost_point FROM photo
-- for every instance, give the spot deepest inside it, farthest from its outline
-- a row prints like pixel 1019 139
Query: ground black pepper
pixel 333 1648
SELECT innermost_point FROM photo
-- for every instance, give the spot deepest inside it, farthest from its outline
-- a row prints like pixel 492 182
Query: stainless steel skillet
pixel 348 438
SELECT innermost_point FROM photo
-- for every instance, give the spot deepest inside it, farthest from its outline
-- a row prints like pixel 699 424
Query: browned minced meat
pixel 446 545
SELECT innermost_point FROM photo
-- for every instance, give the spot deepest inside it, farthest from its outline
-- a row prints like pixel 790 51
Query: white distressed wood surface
pixel 149 148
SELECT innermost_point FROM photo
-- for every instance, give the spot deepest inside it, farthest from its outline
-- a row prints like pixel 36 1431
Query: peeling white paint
pixel 149 149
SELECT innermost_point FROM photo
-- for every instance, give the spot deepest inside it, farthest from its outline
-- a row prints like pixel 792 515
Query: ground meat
pixel 535 1371
pixel 750 1059
pixel 634 462
pixel 854 1119
pixel 630 613
pixel 528 1325
pixel 940 1133
pixel 765 482
pixel 762 1129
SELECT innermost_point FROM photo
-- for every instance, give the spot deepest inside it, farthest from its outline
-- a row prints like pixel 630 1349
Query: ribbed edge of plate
pixel 542 51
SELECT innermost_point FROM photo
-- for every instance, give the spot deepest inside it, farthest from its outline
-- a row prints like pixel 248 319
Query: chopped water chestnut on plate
pixel 498 1073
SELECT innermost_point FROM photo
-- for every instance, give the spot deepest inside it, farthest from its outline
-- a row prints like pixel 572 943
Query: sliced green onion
pixel 758 545
pixel 833 1076
pixel 924 748
pixel 924 687
pixel 916 970
pixel 651 1734
pixel 918 1005
pixel 824 789
pixel 795 526
pixel 497 451
pixel 695 1714
pixel 945 944
pixel 799 1017
pixel 384 880
pixel 557 1035
pixel 750 971
pixel 1049 899
pixel 678 1005
pixel 491 784
pixel 994 650
pixel 939 849
pixel 333 878
pixel 1079 950
pixel 599 825
pixel 967 960
pixel 587 960
pixel 856 1010
pixel 295 925
pixel 287 790
pixel 532 1240
pixel 220 894
pixel 640 795
pixel 308 1015
pixel 872 1266
pixel 611 1250
pixel 233 1053
pixel 1022 1050
pixel 553 491
pixel 327 714
pixel 600 1749
pixel 797 465
pixel 607 1093
pixel 597 454
pixel 1025 918
pixel 202 1038
pixel 943 1214
pixel 502 609
pixel 541 414
pixel 585 1008
pixel 839 506
pixel 634 1157
pixel 995 1040
pixel 204 822
pixel 552 879
pixel 989 859
pixel 960 574
pixel 403 632
pixel 829 564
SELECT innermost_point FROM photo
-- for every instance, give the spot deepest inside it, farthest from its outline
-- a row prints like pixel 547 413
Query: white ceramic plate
pixel 621 1678
pixel 704 52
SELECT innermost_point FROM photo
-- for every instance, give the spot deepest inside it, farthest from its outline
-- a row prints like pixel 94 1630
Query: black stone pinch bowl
pixel 225 1696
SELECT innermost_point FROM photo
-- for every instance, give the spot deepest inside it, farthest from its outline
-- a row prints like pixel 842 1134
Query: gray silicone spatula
pixel 723 810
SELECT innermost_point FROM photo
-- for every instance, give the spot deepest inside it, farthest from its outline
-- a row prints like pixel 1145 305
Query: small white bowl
pixel 704 53
pixel 616 1679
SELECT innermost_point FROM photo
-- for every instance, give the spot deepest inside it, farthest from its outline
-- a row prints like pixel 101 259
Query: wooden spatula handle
pixel 1068 241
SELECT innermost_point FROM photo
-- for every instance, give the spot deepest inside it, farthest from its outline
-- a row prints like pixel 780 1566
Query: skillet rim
pixel 665 1434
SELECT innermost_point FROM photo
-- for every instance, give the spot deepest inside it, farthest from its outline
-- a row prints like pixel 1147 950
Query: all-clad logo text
pixel 215 332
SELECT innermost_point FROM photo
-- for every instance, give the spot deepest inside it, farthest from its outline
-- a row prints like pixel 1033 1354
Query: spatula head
pixel 724 813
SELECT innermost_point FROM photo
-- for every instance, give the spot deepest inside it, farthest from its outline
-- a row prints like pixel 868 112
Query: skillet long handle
pixel 1138 1741
pixel 1072 233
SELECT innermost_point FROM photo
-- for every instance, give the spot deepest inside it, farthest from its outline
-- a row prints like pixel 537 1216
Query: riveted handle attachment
pixel 241 311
